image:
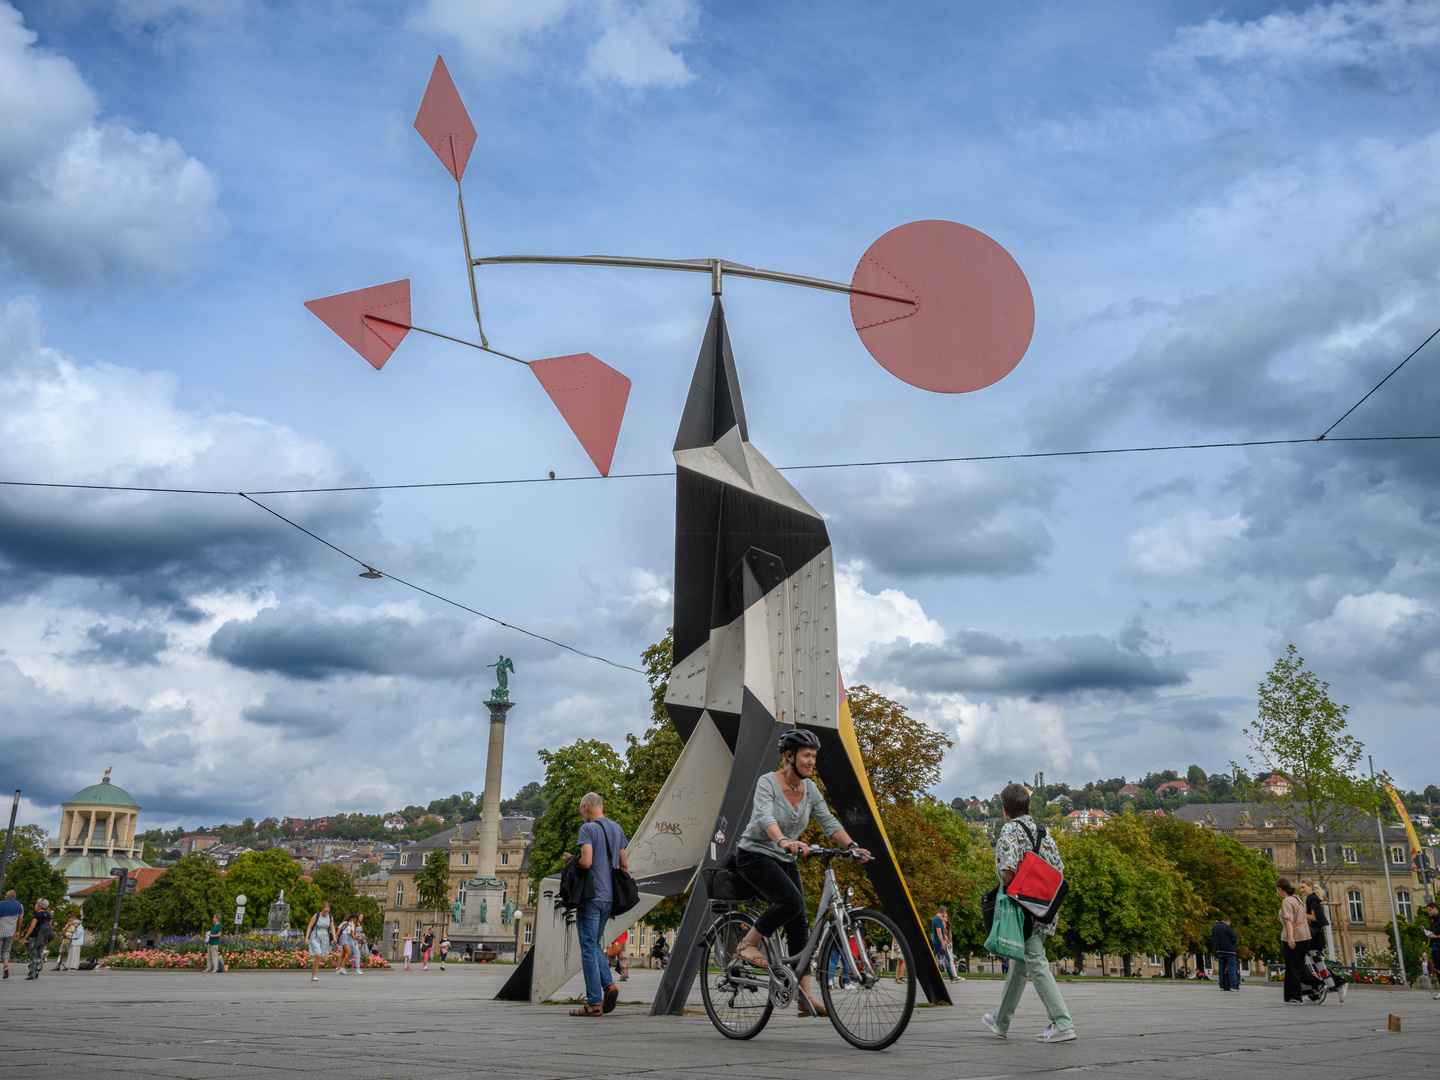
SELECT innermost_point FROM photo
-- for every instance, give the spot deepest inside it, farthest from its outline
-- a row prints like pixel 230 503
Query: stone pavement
pixel 437 1025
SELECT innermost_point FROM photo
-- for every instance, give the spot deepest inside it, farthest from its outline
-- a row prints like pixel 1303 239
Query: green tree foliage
pixel 530 799
pixel 98 913
pixel 33 878
pixel 432 883
pixel 184 898
pixel 1414 942
pixel 1119 903
pixel 337 888
pixel 1301 733
pixel 570 772
pixel 260 875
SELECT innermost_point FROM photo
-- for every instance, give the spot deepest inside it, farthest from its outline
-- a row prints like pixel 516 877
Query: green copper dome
pixel 104 793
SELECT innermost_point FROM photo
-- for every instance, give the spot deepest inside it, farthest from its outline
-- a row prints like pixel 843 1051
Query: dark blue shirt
pixel 598 834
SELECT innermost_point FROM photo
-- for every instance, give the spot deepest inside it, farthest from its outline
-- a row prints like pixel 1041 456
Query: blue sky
pixel 1228 217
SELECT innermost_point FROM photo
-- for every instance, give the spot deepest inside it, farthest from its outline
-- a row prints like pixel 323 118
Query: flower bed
pixel 237 958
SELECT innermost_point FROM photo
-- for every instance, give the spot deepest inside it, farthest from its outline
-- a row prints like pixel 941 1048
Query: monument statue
pixel 279 920
pixel 502 682
pixel 455 909
pixel 509 913
pixel 484 910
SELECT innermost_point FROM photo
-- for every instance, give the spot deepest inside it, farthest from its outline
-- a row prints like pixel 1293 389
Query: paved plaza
pixel 435 1026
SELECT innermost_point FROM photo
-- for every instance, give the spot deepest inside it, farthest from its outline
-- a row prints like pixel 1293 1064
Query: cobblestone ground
pixel 435 1025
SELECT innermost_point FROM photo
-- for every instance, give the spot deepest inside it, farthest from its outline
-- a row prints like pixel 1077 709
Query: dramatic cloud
pixel 633 44
pixel 980 664
pixel 123 645
pixel 948 520
pixel 869 619
pixel 85 200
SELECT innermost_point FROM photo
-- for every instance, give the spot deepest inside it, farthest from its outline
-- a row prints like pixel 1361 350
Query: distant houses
pixel 1175 787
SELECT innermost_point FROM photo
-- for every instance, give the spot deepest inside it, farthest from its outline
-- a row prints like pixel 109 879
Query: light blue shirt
pixel 773 808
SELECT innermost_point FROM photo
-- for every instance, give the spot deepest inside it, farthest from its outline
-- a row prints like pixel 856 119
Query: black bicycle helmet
pixel 799 739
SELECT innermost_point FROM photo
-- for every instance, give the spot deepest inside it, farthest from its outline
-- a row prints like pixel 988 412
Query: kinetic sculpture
pixel 939 305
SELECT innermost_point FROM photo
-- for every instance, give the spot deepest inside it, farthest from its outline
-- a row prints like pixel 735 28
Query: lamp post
pixel 1385 862
pixel 9 836
pixel 240 902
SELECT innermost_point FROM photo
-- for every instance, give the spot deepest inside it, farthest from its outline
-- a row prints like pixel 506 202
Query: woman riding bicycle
pixel 785 801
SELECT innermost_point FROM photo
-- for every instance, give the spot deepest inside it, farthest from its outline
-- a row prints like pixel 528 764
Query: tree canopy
pixel 33 878
pixel 570 772
pixel 184 899
pixel 432 882
pixel 260 875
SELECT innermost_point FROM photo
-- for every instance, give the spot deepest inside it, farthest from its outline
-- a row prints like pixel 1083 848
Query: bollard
pixel 1394 1022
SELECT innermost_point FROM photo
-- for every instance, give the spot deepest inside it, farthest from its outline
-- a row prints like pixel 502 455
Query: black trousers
pixel 779 883
pixel 1298 978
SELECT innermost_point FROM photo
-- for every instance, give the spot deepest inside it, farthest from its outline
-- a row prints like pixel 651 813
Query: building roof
pixel 104 793
pixel 144 877
pixel 1266 815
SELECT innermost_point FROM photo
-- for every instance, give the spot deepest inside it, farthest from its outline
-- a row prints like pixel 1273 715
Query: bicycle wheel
pixel 736 995
pixel 872 1012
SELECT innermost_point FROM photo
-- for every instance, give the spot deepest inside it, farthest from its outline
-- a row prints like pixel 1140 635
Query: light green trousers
pixel 1038 968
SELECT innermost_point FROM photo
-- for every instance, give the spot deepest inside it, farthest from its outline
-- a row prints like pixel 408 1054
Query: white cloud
pixel 85 200
pixel 1339 35
pixel 995 742
pixel 634 44
pixel 1192 544
pixel 869 619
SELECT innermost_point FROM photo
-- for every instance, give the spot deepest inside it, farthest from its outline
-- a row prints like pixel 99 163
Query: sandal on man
pixel 752 956
pixel 612 997
pixel 588 1010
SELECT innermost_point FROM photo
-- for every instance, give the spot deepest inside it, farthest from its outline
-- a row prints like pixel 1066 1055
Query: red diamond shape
pixel 371 321
pixel 443 122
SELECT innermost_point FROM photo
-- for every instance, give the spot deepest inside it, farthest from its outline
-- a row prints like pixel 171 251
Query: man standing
pixel 212 946
pixel 602 848
pixel 1018 835
pixel 10 912
pixel 940 942
pixel 1225 945
pixel 1433 934
pixel 1317 920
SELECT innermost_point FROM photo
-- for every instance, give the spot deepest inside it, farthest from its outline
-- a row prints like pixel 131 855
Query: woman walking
pixel 444 949
pixel 61 952
pixel 37 937
pixel 317 936
pixel 426 945
pixel 1295 935
pixel 77 940
pixel 405 948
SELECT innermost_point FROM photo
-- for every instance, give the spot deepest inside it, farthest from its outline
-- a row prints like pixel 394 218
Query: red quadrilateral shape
pixel 443 122
pixel 371 321
pixel 591 396
pixel 973 317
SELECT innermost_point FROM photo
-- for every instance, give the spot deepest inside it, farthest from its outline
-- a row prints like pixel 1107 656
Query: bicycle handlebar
pixel 833 853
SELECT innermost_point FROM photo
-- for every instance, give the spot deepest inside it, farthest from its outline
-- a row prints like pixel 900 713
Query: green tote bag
pixel 1007 932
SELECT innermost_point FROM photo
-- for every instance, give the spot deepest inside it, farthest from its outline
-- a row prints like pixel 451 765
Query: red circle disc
pixel 942 306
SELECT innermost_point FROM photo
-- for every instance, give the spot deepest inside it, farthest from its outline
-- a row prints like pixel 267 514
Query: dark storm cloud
pixel 298 720
pixel 981 664
pixel 128 646
pixel 946 521
pixel 305 642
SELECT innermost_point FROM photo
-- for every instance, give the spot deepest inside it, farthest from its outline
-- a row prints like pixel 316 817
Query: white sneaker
pixel 989 1022
pixel 1054 1034
pixel 1342 990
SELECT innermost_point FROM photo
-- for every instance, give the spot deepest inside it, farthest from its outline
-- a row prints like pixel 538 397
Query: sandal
pixel 611 998
pixel 589 1010
pixel 753 956
pixel 809 1008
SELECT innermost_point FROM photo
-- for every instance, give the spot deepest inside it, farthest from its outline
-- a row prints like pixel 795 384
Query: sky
pixel 1228 216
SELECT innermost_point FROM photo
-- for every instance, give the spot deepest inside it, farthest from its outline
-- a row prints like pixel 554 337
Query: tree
pixel 1301 733
pixel 98 913
pixel 902 755
pixel 184 899
pixel 432 883
pixel 260 876
pixel 1196 778
pixel 33 878
pixel 337 888
pixel 570 772
pixel 530 798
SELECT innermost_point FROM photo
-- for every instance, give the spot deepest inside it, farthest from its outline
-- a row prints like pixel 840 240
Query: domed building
pixel 97 835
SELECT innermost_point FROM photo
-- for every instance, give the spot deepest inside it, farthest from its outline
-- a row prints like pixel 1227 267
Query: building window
pixel 1317 855
pixel 1397 854
pixel 1359 954
pixel 1268 852
pixel 399 894
pixel 527 933
pixel 1357 906
pixel 1402 903
pixel 1156 961
pixel 465 858
pixel 1245 968
pixel 405 859
pixel 504 858
pixel 1348 854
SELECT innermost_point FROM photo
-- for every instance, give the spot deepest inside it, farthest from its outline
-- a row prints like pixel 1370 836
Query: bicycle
pixel 869 1008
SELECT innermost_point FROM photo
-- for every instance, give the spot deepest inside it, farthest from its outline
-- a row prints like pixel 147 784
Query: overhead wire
pixel 1377 386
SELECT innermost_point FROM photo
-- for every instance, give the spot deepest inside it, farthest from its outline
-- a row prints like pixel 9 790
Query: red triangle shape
pixel 591 396
pixel 371 321
pixel 443 122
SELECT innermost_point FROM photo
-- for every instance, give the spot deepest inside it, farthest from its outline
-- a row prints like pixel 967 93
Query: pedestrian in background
pixel 1017 836
pixel 405 947
pixel 444 949
pixel 1295 937
pixel 10 912
pixel 212 946
pixel 425 948
pixel 347 943
pixel 38 933
pixel 317 939
pixel 602 849
pixel 77 940
pixel 659 951
pixel 1433 934
pixel 1225 945
pixel 1318 920
pixel 64 947
pixel 616 952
